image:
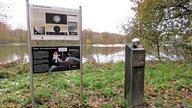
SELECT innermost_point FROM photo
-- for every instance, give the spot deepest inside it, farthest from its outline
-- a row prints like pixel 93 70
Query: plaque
pixel 138 60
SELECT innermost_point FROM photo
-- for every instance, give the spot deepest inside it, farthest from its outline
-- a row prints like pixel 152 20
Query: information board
pixel 53 23
pixel 52 59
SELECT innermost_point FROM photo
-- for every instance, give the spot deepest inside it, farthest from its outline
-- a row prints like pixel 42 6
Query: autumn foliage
pixel 92 37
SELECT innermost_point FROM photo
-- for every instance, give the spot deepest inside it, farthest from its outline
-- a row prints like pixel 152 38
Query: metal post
pixel 134 74
pixel 81 64
pixel 30 55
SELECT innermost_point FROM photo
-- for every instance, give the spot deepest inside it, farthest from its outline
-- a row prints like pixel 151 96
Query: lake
pixel 100 53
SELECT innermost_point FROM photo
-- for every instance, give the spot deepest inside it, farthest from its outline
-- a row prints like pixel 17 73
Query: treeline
pixel 91 37
pixel 9 36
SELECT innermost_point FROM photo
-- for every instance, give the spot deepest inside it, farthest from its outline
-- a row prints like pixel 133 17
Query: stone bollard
pixel 134 73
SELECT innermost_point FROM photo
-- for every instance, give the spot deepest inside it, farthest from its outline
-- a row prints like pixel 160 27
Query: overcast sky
pixel 98 15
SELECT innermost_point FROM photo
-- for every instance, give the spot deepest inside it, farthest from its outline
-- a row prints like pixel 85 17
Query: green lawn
pixel 167 84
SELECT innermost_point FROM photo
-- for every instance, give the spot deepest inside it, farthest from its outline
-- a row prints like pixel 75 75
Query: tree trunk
pixel 158 51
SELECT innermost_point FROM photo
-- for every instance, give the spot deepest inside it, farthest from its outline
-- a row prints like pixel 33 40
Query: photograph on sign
pixel 52 59
pixel 48 23
pixel 72 26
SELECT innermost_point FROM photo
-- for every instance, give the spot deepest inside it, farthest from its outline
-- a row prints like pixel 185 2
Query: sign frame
pixel 73 36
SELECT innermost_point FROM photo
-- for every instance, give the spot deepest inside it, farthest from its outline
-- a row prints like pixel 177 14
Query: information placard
pixel 51 59
pixel 52 23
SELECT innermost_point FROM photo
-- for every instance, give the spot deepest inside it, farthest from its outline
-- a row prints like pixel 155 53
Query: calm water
pixel 99 53
pixel 9 53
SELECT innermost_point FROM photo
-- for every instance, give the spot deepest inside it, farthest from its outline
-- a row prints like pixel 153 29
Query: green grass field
pixel 167 84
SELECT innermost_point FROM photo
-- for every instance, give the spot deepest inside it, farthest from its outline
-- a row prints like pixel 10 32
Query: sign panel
pixel 51 59
pixel 52 23
pixel 138 60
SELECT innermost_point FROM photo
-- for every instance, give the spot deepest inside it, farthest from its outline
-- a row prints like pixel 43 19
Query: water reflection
pixel 114 57
pixel 99 53
pixel 11 53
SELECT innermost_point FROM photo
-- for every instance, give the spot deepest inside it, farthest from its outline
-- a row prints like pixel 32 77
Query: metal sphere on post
pixel 135 42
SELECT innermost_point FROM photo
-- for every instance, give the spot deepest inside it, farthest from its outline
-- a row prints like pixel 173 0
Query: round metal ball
pixel 135 42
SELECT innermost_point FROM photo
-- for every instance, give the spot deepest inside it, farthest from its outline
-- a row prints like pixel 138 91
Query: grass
pixel 167 84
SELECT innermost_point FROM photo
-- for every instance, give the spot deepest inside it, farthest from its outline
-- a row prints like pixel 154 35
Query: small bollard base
pixel 134 75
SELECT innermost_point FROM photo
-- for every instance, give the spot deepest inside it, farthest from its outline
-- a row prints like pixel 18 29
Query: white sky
pixel 98 15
